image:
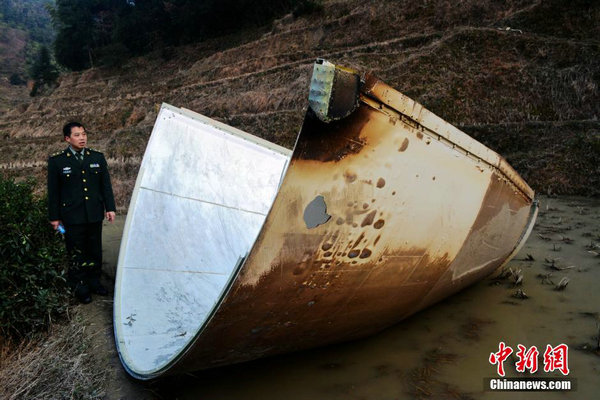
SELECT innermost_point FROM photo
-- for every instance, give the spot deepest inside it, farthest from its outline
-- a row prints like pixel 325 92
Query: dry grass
pixel 54 367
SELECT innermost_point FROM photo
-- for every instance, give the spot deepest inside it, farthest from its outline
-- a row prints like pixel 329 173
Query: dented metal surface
pixel 384 209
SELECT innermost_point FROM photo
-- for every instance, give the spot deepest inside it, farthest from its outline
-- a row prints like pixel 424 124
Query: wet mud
pixel 443 351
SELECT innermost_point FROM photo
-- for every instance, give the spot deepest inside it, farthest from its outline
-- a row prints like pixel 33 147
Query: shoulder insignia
pixel 58 153
pixel 93 150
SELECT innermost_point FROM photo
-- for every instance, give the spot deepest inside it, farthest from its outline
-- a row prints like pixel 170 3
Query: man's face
pixel 78 138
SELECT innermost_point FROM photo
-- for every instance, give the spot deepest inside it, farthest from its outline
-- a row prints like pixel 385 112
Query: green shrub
pixel 32 262
pixel 16 79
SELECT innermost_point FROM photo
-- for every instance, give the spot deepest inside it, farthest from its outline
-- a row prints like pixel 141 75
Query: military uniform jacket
pixel 79 193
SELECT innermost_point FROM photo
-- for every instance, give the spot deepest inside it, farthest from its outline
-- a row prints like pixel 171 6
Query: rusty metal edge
pixel 437 128
pixel 533 213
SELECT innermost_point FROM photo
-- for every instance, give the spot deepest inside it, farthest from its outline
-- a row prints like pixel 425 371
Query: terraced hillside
pixel 521 76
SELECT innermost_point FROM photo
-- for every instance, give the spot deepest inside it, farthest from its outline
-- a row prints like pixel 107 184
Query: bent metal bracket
pixel 235 248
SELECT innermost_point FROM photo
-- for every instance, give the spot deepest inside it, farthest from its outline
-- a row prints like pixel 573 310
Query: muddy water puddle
pixel 443 352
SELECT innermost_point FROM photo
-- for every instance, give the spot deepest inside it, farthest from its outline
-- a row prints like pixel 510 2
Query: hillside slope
pixel 24 25
pixel 12 61
pixel 521 76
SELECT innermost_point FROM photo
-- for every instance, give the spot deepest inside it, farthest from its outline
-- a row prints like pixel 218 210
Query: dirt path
pixel 97 317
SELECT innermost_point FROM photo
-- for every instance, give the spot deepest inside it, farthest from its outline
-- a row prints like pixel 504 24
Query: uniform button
pixel 87 198
pixel 64 204
pixel 83 172
pixel 85 189
pixel 68 175
pixel 84 180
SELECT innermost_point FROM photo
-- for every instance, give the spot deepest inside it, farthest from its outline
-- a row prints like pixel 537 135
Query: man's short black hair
pixel 67 128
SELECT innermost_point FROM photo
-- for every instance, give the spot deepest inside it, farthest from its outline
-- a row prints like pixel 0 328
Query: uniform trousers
pixel 84 246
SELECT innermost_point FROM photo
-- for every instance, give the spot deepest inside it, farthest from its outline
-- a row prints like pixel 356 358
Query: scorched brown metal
pixel 385 209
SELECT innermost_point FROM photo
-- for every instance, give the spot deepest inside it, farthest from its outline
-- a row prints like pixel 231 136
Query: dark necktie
pixel 79 157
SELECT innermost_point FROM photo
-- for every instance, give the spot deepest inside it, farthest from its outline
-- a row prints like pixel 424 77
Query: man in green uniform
pixel 80 196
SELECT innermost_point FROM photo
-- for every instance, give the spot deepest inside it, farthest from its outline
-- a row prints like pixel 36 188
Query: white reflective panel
pixel 202 194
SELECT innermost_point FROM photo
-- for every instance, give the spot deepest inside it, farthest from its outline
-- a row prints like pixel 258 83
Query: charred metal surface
pixel 332 141
pixel 344 97
pixel 376 218
pixel 333 91
pixel 372 267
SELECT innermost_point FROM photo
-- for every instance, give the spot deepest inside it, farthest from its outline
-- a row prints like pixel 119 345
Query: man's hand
pixel 55 224
pixel 110 216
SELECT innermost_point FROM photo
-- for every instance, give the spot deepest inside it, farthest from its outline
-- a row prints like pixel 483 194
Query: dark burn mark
pixel 380 183
pixel 331 142
pixel 376 240
pixel 360 238
pixel 344 94
pixel 353 253
pixel 379 224
pixel 328 254
pixel 419 135
pixel 349 176
pixel 370 217
pixel 366 253
pixel 327 246
pixel 404 145
pixel 368 83
pixel 315 213
pixel 339 221
pixel 365 206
